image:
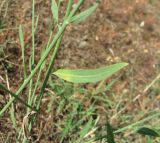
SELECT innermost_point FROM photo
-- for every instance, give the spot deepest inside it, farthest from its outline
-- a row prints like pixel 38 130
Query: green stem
pixel 49 71
pixel 33 33
pixel 33 99
pixel 69 7
pixel 21 37
pixel 32 57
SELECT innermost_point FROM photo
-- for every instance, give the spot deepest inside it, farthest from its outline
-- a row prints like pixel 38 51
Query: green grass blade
pixel 69 7
pixel 67 128
pixel 21 38
pixel 33 33
pixel 83 15
pixel 54 9
pixel 49 70
pixel 34 97
pixel 32 57
pixel 89 76
pixel 85 130
pixel 148 132
pixel 75 9
pixel 149 140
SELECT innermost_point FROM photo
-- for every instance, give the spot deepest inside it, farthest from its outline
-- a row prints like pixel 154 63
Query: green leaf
pixel 110 135
pixel 21 36
pixel 83 15
pixel 89 76
pixel 86 128
pixel 54 9
pixel 148 132
pixel 42 54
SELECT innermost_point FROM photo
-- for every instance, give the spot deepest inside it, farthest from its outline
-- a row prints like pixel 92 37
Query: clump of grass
pixel 31 83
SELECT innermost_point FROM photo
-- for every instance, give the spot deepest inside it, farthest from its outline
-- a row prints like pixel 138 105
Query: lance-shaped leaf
pixel 54 9
pixel 83 15
pixel 148 132
pixel 89 76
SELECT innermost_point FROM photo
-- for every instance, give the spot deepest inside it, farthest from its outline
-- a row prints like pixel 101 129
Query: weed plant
pixel 78 124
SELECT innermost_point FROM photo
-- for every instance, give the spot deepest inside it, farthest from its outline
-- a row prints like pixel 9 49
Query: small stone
pixel 142 24
pixel 83 44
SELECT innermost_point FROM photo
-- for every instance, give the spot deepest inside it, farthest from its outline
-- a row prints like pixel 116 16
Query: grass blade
pixel 88 76
pixel 54 9
pixel 85 130
pixel 148 132
pixel 21 38
pixel 83 15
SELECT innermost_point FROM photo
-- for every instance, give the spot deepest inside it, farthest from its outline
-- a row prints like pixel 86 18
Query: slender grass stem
pixel 77 6
pixel 49 70
pixel 32 58
pixel 69 7
pixel 33 33
pixel 21 37
pixel 39 74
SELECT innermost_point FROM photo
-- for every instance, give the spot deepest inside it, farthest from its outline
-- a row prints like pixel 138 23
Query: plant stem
pixel 33 35
pixel 49 70
pixel 21 38
pixel 32 58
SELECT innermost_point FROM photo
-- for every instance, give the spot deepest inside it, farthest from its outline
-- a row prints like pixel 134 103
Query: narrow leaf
pixel 110 135
pixel 148 132
pixel 42 54
pixel 83 15
pixel 21 38
pixel 54 9
pixel 86 128
pixel 89 76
